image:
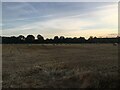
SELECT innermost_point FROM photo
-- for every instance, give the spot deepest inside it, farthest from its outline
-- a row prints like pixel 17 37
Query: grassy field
pixel 60 66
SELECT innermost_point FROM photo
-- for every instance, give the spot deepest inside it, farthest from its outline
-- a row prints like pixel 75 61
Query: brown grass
pixel 60 66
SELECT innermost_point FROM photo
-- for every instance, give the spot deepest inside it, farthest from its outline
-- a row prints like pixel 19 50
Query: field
pixel 60 66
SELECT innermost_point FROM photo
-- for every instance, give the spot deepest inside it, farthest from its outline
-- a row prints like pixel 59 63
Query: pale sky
pixel 69 19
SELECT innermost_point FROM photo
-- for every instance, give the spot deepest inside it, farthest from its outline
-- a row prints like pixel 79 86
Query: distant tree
pixel 118 39
pixel 30 38
pixel 62 39
pixel 13 39
pixel 82 40
pixel 21 37
pixel 0 40
pixel 49 40
pixel 90 38
pixel 40 38
pixel 95 40
pixel 68 40
pixel 74 40
pixel 95 37
pixel 56 39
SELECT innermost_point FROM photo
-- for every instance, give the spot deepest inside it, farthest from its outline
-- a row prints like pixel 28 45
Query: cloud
pixel 99 21
pixel 54 26
pixel 17 11
pixel 106 17
pixel 61 1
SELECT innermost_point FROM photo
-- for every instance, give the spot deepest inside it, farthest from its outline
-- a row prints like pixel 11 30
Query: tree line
pixel 30 39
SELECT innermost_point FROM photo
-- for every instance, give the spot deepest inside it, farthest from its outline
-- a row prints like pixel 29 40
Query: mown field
pixel 60 66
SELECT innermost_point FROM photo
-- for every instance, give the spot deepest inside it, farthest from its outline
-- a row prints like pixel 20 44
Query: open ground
pixel 60 66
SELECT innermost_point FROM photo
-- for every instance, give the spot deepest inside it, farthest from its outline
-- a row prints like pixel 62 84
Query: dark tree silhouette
pixel 0 40
pixel 21 37
pixel 81 40
pixel 62 39
pixel 68 40
pixel 40 39
pixel 56 39
pixel 90 39
pixel 49 41
pixel 74 40
pixel 30 39
pixel 13 39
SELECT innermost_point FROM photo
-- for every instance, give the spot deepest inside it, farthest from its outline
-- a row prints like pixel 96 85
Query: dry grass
pixel 60 66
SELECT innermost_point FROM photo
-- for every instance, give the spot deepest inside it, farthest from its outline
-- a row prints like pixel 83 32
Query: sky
pixel 69 19
pixel 60 0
